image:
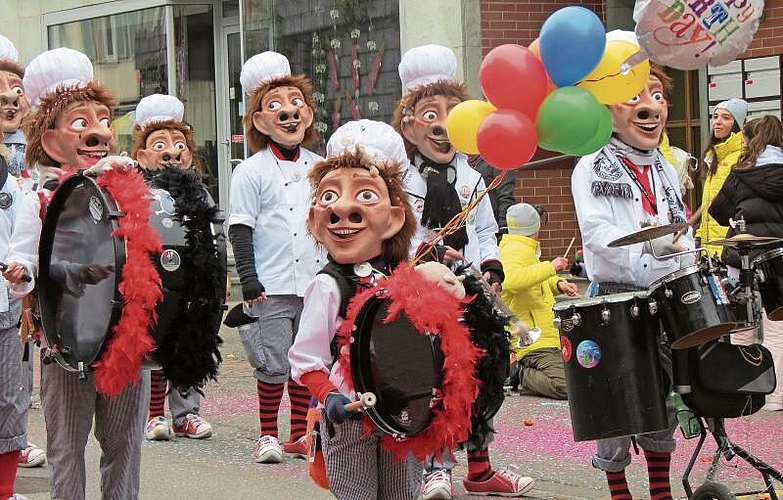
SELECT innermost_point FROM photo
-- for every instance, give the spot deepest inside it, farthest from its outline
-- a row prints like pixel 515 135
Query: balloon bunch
pixel 552 94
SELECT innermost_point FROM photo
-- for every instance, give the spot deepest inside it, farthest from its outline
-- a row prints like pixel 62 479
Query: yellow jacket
pixel 728 153
pixel 529 289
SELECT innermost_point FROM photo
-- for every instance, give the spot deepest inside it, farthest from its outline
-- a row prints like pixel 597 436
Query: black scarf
pixel 442 202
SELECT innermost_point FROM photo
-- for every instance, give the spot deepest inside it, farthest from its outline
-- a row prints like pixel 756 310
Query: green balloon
pixel 567 119
pixel 600 138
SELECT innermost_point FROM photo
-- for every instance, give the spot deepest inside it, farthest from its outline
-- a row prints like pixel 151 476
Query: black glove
pixel 252 289
pixel 576 269
pixel 335 408
pixel 495 269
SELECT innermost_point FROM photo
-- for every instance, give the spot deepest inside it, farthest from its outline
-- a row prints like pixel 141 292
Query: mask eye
pixel 17 89
pixel 328 197
pixel 274 105
pixel 180 146
pixel 430 116
pixel 367 196
pixel 79 124
pixel 658 97
pixel 298 102
pixel 634 99
pixel 159 146
pixel 105 122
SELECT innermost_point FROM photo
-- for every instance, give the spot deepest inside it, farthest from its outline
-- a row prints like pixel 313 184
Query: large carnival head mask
pixel 161 138
pixel 71 126
pixel 13 102
pixel 428 75
pixel 640 121
pixel 360 209
pixel 280 108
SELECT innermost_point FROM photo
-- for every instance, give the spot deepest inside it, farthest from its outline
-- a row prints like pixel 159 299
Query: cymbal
pixel 647 233
pixel 745 239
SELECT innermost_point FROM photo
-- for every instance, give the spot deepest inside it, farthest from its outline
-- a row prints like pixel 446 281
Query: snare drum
pixel 612 365
pixel 695 307
pixel 769 274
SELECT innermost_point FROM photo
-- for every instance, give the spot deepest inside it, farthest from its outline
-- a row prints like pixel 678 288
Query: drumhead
pixel 768 255
pixel 399 364
pixel 685 271
pixel 80 265
pixel 583 302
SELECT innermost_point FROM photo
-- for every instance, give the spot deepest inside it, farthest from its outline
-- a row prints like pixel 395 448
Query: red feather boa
pixel 430 309
pixel 140 287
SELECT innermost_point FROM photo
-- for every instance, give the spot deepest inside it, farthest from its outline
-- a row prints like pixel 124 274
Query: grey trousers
pixel 268 340
pixel 181 405
pixel 14 396
pixel 69 407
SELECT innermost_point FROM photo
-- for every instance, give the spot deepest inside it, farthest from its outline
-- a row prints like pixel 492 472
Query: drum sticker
pixel 96 208
pixel 170 260
pixel 565 347
pixel 5 200
pixel 167 222
pixel 165 201
pixel 404 417
pixel 716 287
pixel 691 297
pixel 588 354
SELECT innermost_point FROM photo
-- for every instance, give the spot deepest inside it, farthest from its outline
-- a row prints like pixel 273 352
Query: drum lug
pixel 557 322
pixel 668 293
pixel 576 319
pixel 606 315
pixel 115 214
pixel 635 311
pixel 653 306
pixel 80 369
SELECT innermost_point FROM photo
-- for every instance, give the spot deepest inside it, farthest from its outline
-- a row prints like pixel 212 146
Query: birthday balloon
pixel 691 35
pixel 535 49
pixel 571 42
pixel 601 137
pixel 609 82
pixel 567 119
pixel 511 76
pixel 463 123
pixel 507 139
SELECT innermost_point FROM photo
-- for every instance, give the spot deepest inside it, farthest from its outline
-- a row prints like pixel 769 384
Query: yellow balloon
pixel 608 83
pixel 463 123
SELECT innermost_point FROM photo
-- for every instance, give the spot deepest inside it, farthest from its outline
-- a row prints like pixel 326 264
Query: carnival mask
pixel 640 121
pixel 427 130
pixel 284 116
pixel 81 135
pixel 352 215
pixel 13 103
pixel 164 148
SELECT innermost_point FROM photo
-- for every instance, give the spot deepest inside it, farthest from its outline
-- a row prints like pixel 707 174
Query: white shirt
pixel 603 219
pixel 272 197
pixel 10 200
pixel 480 224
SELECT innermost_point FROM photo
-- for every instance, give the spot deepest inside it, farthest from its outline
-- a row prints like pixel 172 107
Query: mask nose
pixel 438 130
pixel 290 113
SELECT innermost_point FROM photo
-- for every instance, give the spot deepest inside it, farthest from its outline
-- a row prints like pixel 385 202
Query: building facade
pixel 350 49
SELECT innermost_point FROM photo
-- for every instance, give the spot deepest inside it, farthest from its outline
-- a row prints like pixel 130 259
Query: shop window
pixel 350 50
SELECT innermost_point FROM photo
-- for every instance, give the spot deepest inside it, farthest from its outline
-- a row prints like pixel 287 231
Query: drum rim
pixel 613 298
pixel 674 275
pixel 768 255
pixel 45 245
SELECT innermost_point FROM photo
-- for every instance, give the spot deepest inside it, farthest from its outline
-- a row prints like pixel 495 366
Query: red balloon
pixel 511 76
pixel 507 139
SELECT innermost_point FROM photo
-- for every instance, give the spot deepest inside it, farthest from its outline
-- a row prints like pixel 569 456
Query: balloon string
pixel 456 222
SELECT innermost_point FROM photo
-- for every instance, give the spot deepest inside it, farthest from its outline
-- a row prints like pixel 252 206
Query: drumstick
pixel 367 400
pixel 26 278
pixel 565 255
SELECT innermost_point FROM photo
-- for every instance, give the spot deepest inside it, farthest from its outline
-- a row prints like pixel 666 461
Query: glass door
pixel 232 142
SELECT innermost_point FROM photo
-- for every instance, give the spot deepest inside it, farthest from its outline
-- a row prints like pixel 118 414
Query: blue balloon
pixel 572 42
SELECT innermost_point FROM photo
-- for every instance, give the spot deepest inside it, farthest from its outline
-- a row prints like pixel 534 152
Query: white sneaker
pixel 436 485
pixel 157 429
pixel 31 456
pixel 267 450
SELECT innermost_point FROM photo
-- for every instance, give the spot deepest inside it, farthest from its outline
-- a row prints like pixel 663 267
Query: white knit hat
pixel 8 50
pixel 523 219
pixel 377 139
pixel 158 108
pixel 426 65
pixel 56 68
pixel 263 68
pixel 737 107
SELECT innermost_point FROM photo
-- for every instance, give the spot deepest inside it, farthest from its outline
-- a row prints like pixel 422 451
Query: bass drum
pixel 80 266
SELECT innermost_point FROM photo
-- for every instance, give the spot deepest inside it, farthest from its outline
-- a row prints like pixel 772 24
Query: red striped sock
pixel 479 467
pixel 8 464
pixel 658 469
pixel 618 485
pixel 269 397
pixel 157 393
pixel 300 401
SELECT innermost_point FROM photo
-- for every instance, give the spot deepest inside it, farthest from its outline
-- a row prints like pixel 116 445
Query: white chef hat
pixel 263 68
pixel 426 65
pixel 55 69
pixel 377 140
pixel 625 35
pixel 8 50
pixel 159 108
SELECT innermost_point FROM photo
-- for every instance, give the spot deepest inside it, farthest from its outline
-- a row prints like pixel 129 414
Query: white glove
pixel 660 246
pixel 119 163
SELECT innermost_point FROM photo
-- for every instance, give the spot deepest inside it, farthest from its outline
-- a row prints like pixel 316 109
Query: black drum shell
pixel 397 363
pixel 694 307
pixel 623 394
pixel 769 271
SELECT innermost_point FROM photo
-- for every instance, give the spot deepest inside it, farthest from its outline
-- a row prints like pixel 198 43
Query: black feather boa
pixel 487 330
pixel 189 354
